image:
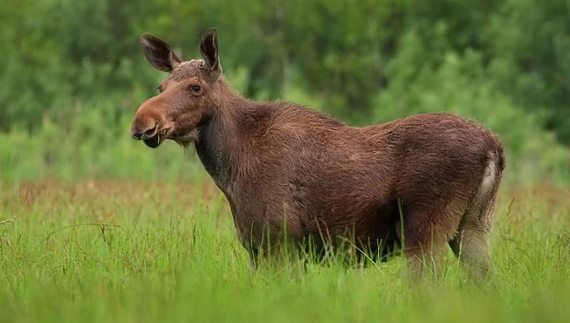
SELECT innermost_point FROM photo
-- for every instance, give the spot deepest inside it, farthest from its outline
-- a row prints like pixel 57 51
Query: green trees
pixel 75 68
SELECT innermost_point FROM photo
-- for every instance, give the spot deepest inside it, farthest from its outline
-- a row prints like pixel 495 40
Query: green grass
pixel 147 252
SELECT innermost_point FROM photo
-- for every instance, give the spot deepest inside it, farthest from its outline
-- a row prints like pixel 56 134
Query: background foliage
pixel 73 74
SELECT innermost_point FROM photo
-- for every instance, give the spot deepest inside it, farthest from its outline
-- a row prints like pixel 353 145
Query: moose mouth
pixel 157 139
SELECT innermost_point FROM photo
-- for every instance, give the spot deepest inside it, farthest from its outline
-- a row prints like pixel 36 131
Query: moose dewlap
pixel 422 182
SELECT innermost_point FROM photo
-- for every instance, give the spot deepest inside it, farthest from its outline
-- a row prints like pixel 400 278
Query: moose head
pixel 187 96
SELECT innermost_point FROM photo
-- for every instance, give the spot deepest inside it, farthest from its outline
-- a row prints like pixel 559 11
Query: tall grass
pixel 159 251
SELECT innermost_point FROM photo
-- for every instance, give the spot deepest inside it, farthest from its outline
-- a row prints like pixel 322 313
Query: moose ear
pixel 209 51
pixel 159 54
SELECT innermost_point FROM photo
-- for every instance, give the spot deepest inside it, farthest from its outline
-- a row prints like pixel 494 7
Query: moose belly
pixel 367 226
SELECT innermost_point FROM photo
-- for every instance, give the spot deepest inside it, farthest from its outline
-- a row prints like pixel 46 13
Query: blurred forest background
pixel 73 74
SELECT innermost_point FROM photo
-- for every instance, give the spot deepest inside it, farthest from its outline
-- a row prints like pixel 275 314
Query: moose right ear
pixel 209 51
pixel 159 54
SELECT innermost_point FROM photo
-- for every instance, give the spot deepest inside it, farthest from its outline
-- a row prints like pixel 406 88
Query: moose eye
pixel 196 88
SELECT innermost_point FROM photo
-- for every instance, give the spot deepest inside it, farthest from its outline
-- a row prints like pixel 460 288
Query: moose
pixel 290 173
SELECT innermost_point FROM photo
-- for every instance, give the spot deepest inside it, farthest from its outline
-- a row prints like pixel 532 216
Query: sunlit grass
pixel 136 252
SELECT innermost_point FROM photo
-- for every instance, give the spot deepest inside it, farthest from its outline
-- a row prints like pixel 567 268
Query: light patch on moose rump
pixel 490 175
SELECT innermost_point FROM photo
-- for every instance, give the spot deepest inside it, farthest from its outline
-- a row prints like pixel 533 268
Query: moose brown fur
pixel 287 168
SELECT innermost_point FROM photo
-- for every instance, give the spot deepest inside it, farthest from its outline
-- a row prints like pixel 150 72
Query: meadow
pixel 147 251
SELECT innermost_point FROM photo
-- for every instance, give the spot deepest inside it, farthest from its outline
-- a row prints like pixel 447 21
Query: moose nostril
pixel 150 132
pixel 136 135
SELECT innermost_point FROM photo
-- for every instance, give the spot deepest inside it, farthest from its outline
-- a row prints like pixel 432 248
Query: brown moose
pixel 424 182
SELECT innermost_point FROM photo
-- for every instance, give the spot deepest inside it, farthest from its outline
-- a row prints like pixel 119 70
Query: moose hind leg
pixel 471 244
pixel 425 237
pixel 424 259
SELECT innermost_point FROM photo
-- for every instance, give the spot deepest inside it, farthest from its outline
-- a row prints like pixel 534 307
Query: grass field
pixel 147 252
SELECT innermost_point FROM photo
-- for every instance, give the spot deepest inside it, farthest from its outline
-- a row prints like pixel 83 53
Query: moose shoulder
pixel 428 180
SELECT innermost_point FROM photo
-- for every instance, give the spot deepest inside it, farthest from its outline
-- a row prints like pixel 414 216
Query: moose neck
pixel 220 140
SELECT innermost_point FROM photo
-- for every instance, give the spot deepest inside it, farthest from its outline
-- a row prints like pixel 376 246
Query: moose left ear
pixel 158 53
pixel 209 51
